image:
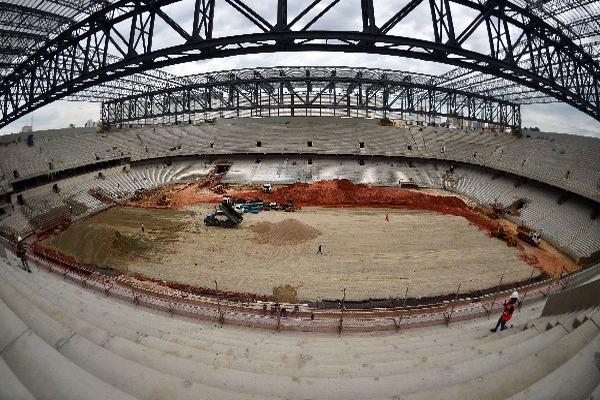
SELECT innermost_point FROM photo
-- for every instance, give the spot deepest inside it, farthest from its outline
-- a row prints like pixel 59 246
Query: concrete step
pixel 517 376
pixel 575 379
pixel 355 386
pixel 42 370
pixel 564 321
pixel 582 316
pixel 389 342
pixel 49 375
pixel 10 386
pixel 408 363
pixel 302 351
pixel 244 359
pixel 315 386
pixel 133 378
pixel 11 327
pixel 595 395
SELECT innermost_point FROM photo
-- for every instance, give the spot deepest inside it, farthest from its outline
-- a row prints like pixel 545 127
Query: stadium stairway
pixel 59 341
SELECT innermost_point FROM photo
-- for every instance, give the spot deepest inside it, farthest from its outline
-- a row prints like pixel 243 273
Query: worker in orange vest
pixel 509 308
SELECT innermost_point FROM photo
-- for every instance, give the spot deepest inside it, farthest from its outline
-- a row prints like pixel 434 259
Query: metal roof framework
pixel 519 31
pixel 308 91
pixel 25 25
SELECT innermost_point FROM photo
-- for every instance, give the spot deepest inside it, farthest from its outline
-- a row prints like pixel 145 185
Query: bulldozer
pixel 528 235
pixel 226 216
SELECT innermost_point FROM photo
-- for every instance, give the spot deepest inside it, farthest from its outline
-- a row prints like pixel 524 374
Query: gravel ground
pixel 370 257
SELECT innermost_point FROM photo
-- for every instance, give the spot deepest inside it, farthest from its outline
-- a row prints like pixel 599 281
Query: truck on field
pixel 226 216
pixel 250 207
pixel 529 235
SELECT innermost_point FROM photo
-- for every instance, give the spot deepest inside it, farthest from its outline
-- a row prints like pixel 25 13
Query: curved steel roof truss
pixel 523 47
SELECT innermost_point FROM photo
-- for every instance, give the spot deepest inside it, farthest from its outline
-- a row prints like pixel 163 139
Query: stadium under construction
pixel 299 232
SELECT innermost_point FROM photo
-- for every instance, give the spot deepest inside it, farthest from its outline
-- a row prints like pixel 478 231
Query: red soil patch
pixel 548 259
pixel 344 193
pixel 529 259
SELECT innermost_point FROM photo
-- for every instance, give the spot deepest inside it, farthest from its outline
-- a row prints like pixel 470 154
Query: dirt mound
pixel 287 232
pixel 344 193
pixel 97 245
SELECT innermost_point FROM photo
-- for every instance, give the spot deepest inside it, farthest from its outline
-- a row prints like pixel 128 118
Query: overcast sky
pixel 549 117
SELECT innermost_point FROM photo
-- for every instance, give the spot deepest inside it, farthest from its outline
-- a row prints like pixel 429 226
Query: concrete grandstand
pixel 55 184
pixel 305 232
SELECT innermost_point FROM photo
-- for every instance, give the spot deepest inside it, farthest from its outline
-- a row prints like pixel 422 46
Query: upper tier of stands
pixel 565 161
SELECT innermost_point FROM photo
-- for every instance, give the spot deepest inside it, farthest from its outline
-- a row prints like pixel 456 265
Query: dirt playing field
pixel 372 258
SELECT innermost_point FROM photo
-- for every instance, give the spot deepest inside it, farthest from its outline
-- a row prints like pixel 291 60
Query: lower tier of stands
pixel 60 341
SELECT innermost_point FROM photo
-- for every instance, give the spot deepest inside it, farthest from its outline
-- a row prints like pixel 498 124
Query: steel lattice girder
pixel 18 42
pixel 557 7
pixel 586 27
pixel 30 19
pixel 522 47
pixel 309 90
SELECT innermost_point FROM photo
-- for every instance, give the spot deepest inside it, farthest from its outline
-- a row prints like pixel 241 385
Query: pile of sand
pixel 287 232
pixel 97 245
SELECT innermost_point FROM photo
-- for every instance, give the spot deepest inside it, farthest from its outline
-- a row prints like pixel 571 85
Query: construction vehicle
pixel 529 235
pixel 289 206
pixel 252 207
pixel 239 209
pixel 266 188
pixel 495 211
pixel 272 206
pixel 226 216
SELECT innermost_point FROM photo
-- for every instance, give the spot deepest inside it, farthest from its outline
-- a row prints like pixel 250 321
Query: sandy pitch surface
pixel 363 253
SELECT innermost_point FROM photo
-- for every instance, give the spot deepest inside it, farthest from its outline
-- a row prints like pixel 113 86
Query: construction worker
pixel 22 254
pixel 320 250
pixel 387 217
pixel 509 308
pixel 142 226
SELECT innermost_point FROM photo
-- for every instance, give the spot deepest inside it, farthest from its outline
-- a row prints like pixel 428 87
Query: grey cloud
pixel 56 115
pixel 559 117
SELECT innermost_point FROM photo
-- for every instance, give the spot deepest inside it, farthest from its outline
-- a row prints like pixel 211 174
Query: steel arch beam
pixel 342 91
pixel 523 48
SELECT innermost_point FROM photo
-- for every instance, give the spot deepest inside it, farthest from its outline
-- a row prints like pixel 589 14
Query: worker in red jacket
pixel 509 308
